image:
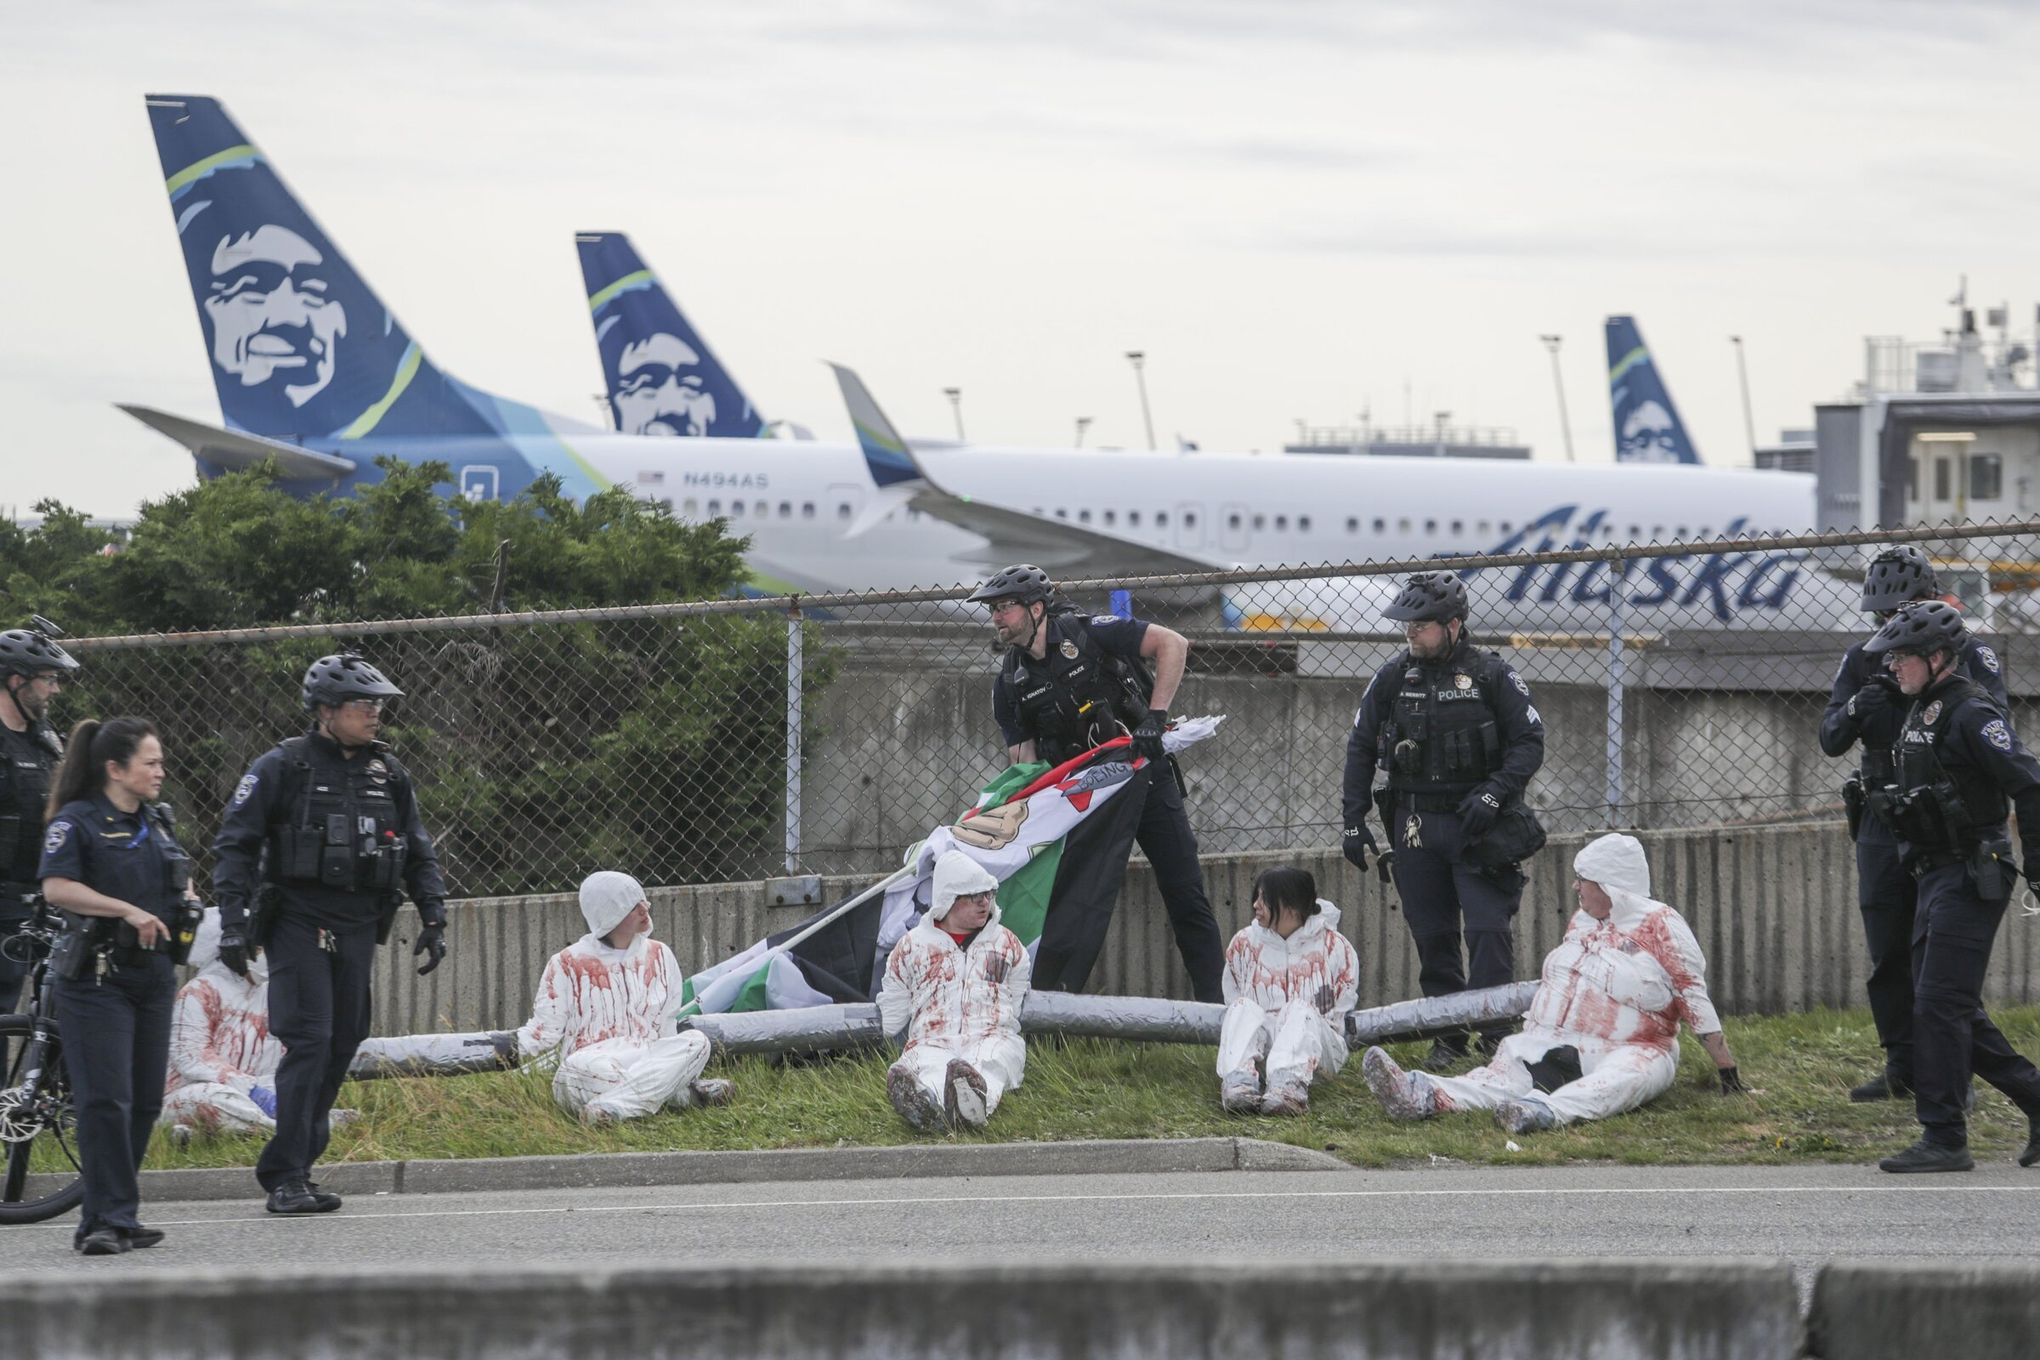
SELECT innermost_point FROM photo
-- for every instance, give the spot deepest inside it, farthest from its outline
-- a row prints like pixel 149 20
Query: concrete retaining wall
pixel 1774 909
pixel 1430 1310
pixel 1907 1310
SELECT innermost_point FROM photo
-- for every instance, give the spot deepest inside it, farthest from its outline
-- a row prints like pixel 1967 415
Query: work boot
pixel 1521 1114
pixel 964 1097
pixel 1240 1092
pixel 1886 1085
pixel 712 1091
pixel 1446 1050
pixel 298 1197
pixel 1286 1100
pixel 142 1237
pixel 102 1242
pixel 912 1101
pixel 2032 1153
pixel 1406 1096
pixel 1924 1157
pixel 326 1198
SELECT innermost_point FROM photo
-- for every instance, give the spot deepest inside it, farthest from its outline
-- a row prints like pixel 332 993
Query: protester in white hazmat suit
pixel 1290 979
pixel 222 1057
pixel 1602 1033
pixel 605 1011
pixel 954 985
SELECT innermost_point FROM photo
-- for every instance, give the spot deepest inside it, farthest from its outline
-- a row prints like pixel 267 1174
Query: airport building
pixel 1438 440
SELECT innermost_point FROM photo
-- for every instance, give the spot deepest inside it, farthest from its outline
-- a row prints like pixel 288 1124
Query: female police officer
pixel 110 861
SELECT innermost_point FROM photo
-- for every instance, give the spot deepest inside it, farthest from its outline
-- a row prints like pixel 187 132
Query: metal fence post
pixel 795 675
pixel 1617 675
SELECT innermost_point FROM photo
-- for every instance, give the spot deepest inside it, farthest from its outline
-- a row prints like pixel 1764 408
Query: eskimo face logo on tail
pixel 272 316
pixel 1650 435
pixel 661 390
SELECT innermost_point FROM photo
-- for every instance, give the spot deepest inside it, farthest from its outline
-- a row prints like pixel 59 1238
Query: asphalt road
pixel 1806 1215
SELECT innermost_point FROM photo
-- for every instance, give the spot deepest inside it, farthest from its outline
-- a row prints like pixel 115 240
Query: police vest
pixel 27 762
pixel 1441 736
pixel 344 831
pixel 1941 807
pixel 1078 695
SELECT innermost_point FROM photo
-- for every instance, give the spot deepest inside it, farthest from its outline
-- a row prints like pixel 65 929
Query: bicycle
pixel 36 1121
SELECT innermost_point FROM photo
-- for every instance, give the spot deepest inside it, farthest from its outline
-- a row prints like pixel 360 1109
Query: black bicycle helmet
pixel 1923 627
pixel 1024 582
pixel 338 678
pixel 1898 575
pixel 29 651
pixel 1434 596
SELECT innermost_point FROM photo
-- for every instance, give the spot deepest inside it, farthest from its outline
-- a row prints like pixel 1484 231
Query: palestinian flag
pixel 1055 838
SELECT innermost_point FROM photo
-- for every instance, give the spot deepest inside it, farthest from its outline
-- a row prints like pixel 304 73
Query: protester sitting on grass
pixel 605 1011
pixel 1290 980
pixel 1602 1033
pixel 953 987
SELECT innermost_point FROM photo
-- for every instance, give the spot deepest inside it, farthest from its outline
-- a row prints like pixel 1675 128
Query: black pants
pixel 1443 897
pixel 1171 847
pixel 116 1033
pixel 1887 896
pixel 1953 933
pixel 318 1011
pixel 13 972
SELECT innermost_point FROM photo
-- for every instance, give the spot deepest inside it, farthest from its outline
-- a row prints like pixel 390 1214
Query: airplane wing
pixel 1015 535
pixel 231 449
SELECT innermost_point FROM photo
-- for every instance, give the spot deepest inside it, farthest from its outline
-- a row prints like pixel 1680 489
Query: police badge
pixel 1932 712
pixel 1462 681
pixel 1069 649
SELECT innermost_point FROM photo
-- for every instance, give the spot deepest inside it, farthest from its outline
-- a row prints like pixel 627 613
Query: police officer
pixel 322 834
pixel 1070 682
pixel 32 670
pixel 1865 708
pixel 110 860
pixel 1454 727
pixel 1960 770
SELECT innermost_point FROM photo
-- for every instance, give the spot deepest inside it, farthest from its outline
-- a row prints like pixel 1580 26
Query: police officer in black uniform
pixel 111 862
pixel 32 670
pixel 320 839
pixel 1454 728
pixel 1960 771
pixel 1866 709
pixel 1070 682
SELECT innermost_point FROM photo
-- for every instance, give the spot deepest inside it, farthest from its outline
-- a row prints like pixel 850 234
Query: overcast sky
pixel 1296 210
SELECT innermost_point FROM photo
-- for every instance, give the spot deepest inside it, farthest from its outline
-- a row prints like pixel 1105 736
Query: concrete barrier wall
pixel 1885 1310
pixel 1429 1310
pixel 1774 909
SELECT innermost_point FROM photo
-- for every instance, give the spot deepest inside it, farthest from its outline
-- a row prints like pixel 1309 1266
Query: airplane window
pixel 1303 523
pixel 1111 516
pixel 1282 521
pixel 1083 516
pixel 1352 524
pixel 1505 526
pixel 1482 528
pixel 691 508
pixel 807 509
pixel 842 509
pixel 1039 511
pixel 760 509
pixel 1403 525
pixel 1381 526
pixel 1189 519
pixel 1679 532
pixel 667 502
pixel 736 509
pixel 1430 526
pixel 1162 519
pixel 1232 521
pixel 1260 522
pixel 1705 532
pixel 1133 519
pixel 1635 532
pixel 786 509
pixel 714 509
pixel 1061 513
pixel 1457 526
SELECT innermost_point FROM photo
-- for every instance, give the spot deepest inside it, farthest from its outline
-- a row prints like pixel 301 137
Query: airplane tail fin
pixel 661 376
pixel 1647 424
pixel 887 456
pixel 301 347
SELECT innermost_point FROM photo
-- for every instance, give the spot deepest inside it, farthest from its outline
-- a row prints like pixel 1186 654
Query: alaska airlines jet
pixel 1647 424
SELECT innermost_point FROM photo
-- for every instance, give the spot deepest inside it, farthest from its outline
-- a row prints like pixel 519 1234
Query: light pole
pixel 1743 374
pixel 1564 420
pixel 955 395
pixel 1083 424
pixel 1441 417
pixel 1138 359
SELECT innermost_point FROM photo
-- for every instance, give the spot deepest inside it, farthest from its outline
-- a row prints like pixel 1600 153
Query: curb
pixel 602 1170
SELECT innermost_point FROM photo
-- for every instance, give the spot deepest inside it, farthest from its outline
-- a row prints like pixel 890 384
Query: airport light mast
pixel 1138 359
pixel 1558 381
pixel 955 395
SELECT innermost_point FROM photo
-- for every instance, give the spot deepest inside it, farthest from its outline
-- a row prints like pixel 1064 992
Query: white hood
pixel 1616 862
pixel 205 950
pixel 607 897
pixel 958 875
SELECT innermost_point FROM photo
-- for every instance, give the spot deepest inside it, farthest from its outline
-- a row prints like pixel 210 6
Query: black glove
pixel 1357 845
pixel 1872 699
pixel 1731 1081
pixel 234 950
pixel 432 944
pixel 1147 738
pixel 1477 813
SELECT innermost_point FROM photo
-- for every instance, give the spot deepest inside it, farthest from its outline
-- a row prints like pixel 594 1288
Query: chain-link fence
pixel 1679 684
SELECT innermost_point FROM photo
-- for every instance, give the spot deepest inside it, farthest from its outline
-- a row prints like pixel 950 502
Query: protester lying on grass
pixel 1290 979
pixel 223 1059
pixel 953 988
pixel 1602 1033
pixel 605 1011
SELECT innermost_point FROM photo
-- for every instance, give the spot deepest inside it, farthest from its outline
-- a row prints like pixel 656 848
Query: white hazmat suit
pixel 1615 991
pixel 223 1060
pixel 607 1016
pixel 1286 1002
pixel 956 1004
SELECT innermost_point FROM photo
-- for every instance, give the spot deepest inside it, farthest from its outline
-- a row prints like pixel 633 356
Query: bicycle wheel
pixel 40 1177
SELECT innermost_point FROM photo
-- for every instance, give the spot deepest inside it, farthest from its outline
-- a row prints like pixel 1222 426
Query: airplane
pixel 315 374
pixel 1647 424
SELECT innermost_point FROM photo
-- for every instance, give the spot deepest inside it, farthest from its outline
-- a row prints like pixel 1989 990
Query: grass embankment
pixel 1799 1069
